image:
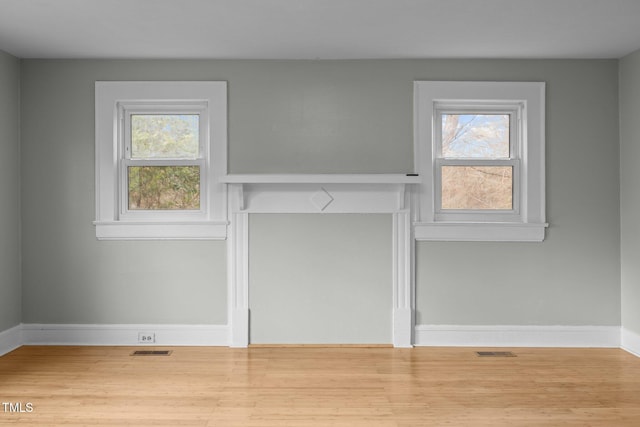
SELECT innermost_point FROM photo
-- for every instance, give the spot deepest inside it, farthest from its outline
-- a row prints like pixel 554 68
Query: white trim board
pixel 329 178
pixel 517 336
pixel 10 339
pixel 167 335
pixel 425 335
pixel 630 342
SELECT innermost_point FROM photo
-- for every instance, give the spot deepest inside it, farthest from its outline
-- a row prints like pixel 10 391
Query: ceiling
pixel 319 29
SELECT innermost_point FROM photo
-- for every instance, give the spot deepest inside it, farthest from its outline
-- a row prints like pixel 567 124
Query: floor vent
pixel 495 354
pixel 151 353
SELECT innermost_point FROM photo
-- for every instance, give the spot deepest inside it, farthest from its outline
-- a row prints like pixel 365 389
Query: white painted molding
pixel 631 342
pixel 380 178
pixel 238 269
pixel 112 98
pixel 116 230
pixel 529 98
pixel 358 194
pixel 425 335
pixel 165 335
pixel 401 328
pixel 517 336
pixel 303 198
pixel 479 232
pixel 239 327
pixel 10 339
pixel 402 250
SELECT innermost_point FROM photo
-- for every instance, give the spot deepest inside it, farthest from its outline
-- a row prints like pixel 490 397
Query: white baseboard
pixel 425 335
pixel 168 335
pixel 630 342
pixel 10 339
pixel 517 336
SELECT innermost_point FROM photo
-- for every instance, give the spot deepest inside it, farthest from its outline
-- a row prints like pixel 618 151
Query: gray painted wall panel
pixel 10 294
pixel 318 279
pixel 629 195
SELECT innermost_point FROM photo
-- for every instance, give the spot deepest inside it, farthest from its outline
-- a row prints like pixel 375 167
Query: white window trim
pixel 113 100
pixel 527 220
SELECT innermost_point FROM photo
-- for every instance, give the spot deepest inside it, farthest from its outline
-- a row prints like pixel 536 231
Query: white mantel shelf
pixel 320 179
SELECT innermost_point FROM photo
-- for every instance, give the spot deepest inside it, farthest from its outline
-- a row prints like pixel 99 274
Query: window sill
pixel 479 232
pixel 118 230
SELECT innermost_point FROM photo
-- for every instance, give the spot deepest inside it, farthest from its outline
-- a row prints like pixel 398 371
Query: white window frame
pixel 125 111
pixel 525 103
pixel 115 103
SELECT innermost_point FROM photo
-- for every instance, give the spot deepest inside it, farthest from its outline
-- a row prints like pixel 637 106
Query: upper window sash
pixel 127 110
pixel 512 110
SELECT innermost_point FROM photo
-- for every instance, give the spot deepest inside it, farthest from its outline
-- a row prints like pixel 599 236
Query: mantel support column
pixel 403 319
pixel 238 268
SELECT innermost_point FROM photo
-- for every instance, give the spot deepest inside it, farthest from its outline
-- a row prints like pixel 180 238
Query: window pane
pixel 477 187
pixel 475 135
pixel 164 187
pixel 164 136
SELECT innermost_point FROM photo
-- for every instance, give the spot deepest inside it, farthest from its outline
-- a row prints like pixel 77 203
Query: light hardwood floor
pixel 208 386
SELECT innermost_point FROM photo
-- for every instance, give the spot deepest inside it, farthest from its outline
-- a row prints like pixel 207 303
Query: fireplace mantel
pixel 324 194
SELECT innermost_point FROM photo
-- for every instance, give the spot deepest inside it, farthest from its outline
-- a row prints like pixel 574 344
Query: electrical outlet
pixel 146 337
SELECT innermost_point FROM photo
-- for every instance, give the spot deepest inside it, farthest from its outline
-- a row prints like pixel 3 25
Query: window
pixel 163 166
pixel 480 151
pixel 477 161
pixel 160 150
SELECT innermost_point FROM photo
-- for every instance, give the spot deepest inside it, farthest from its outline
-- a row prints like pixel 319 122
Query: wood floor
pixel 209 386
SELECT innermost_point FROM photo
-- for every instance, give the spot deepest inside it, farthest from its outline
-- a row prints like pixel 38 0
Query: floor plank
pixel 315 386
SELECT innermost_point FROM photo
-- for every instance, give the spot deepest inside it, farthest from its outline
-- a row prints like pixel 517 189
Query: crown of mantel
pixel 320 179
pixel 313 193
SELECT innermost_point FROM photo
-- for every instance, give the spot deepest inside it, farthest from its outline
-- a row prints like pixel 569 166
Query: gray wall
pixel 320 279
pixel 321 116
pixel 573 277
pixel 629 195
pixel 69 276
pixel 10 297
